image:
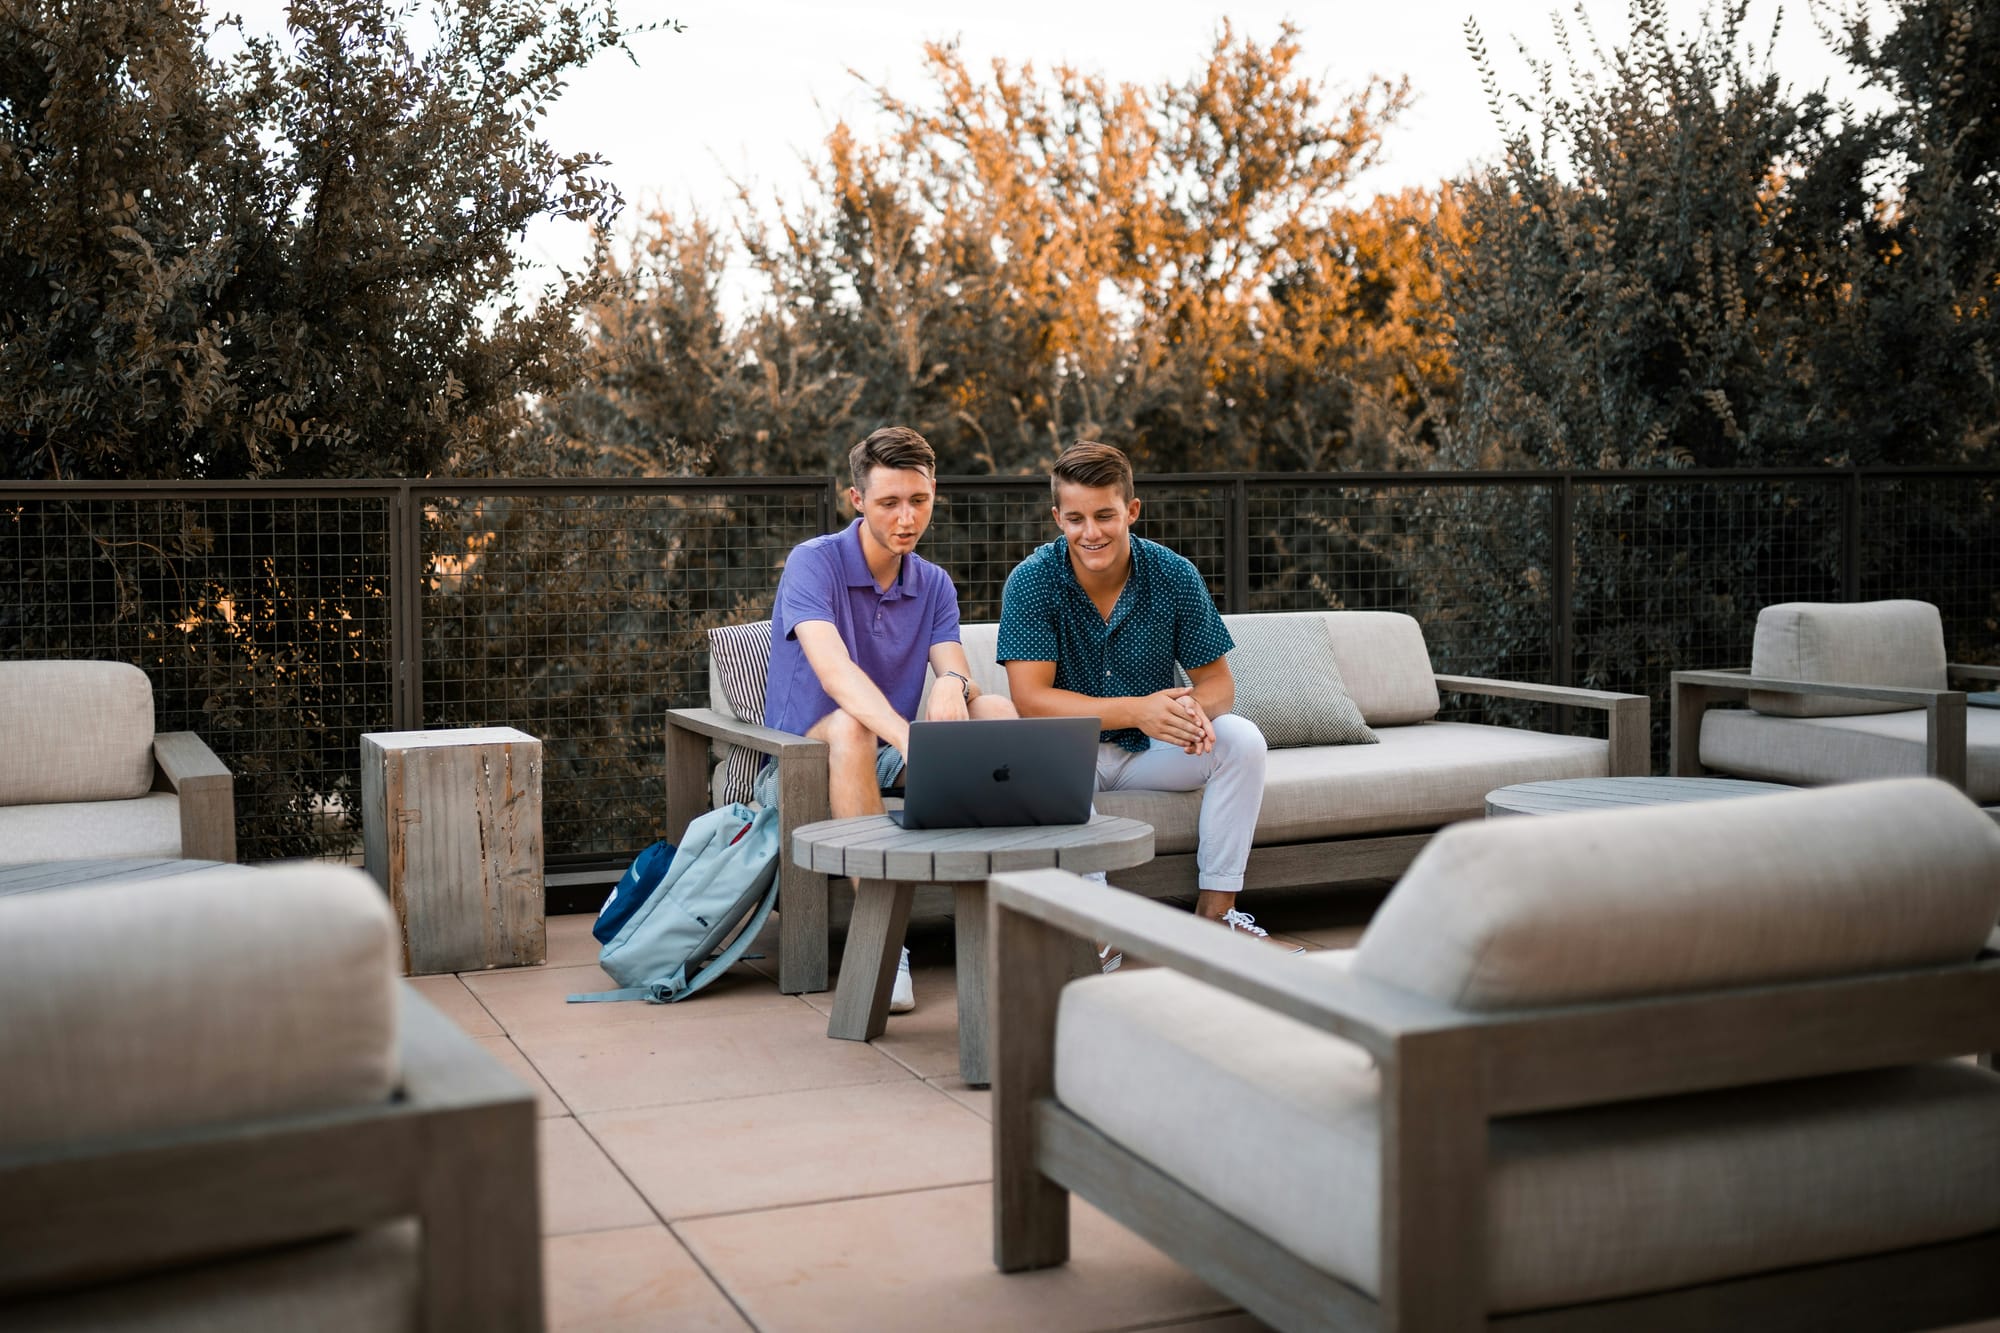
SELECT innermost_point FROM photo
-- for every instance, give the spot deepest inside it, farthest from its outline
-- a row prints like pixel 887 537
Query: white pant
pixel 1230 778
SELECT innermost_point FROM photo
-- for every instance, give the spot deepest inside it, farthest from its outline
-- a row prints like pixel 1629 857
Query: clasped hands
pixel 1177 717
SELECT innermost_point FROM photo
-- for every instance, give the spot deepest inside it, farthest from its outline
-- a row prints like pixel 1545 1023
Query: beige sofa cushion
pixel 1566 909
pixel 1811 751
pixel 368 1280
pixel 1852 643
pixel 74 731
pixel 206 998
pixel 147 826
pixel 1278 1125
pixel 1416 778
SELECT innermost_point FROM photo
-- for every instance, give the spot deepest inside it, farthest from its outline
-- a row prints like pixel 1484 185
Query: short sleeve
pixel 1027 616
pixel 806 591
pixel 1200 637
pixel 944 610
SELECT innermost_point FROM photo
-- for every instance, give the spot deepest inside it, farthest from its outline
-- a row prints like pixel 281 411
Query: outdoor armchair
pixel 225 1110
pixel 1667 1068
pixel 1840 692
pixel 83 774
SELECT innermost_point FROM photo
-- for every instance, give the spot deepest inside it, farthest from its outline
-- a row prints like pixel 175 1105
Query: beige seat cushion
pixel 1415 778
pixel 1815 750
pixel 198 1000
pixel 1567 909
pixel 74 731
pixel 366 1281
pixel 1897 643
pixel 147 826
pixel 1278 1125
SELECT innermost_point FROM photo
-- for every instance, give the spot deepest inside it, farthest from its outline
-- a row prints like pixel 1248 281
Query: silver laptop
pixel 999 773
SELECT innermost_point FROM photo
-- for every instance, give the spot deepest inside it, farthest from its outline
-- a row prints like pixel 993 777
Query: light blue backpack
pixel 725 869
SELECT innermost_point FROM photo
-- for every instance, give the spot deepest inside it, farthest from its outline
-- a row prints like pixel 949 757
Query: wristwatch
pixel 964 685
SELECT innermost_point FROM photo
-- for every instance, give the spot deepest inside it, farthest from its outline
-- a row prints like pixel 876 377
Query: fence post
pixel 1236 548
pixel 1850 537
pixel 406 607
pixel 828 506
pixel 1562 571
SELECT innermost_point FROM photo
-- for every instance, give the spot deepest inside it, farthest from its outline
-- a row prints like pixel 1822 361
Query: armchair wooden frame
pixel 183 764
pixel 1694 692
pixel 803 912
pixel 1444 1075
pixel 454 1149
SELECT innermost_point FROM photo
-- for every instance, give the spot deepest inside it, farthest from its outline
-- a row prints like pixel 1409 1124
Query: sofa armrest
pixel 1628 725
pixel 207 792
pixel 455 1148
pixel 1694 691
pixel 801 766
pixel 1970 671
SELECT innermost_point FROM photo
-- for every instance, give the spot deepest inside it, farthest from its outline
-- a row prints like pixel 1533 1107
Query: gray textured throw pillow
pixel 1288 683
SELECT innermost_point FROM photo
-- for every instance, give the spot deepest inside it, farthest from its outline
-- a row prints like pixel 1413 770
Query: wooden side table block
pixel 452 829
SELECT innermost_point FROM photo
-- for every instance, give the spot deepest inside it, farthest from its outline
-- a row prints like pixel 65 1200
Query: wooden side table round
pixel 1564 796
pixel 889 862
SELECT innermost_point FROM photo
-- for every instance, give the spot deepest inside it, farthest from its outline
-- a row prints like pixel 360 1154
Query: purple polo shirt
pixel 888 633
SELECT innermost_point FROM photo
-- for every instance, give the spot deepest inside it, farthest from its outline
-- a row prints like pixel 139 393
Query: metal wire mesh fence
pixel 282 623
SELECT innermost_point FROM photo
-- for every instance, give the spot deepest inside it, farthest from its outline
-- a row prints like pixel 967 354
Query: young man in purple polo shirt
pixel 858 617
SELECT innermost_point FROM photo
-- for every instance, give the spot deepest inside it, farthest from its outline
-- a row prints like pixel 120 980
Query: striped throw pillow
pixel 739 657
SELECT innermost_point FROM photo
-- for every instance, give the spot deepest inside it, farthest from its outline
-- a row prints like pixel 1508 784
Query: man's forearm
pixel 863 700
pixel 1115 714
pixel 1216 697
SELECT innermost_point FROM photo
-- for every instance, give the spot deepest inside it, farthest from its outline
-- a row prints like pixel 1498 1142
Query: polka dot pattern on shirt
pixel 1164 615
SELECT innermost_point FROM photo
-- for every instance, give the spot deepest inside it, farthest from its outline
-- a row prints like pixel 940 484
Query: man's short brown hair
pixel 896 447
pixel 1087 463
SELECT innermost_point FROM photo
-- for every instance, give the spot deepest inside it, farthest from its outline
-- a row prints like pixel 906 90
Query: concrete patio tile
pixel 977 1100
pixel 924 1261
pixel 1229 1323
pixel 795 1147
pixel 924 1041
pixel 581 1189
pixel 636 1280
pixel 458 1004
pixel 667 1060
pixel 1330 937
pixel 507 1053
pixel 570 942
pixel 536 999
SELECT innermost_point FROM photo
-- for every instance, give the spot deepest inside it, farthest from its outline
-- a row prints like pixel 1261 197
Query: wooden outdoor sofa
pixel 1332 813
pixel 1687 1067
pixel 1841 692
pixel 82 773
pixel 224 1110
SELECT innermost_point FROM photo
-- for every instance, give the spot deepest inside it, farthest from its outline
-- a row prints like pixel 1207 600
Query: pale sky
pixel 752 87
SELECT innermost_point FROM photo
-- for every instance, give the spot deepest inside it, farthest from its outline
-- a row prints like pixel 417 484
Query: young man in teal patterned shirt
pixel 1092 624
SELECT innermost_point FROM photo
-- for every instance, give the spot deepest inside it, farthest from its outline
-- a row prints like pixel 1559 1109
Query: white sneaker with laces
pixel 1244 922
pixel 1110 961
pixel 902 997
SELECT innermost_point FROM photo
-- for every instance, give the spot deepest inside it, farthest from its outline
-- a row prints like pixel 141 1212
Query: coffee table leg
pixel 968 906
pixel 868 963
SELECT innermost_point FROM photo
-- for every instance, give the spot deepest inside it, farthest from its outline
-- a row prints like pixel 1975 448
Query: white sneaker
pixel 902 997
pixel 1109 961
pixel 1244 922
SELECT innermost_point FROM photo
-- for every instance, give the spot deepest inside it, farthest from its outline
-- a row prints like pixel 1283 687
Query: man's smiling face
pixel 1096 521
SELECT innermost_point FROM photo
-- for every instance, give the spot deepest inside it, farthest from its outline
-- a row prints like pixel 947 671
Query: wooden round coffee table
pixel 1569 795
pixel 889 861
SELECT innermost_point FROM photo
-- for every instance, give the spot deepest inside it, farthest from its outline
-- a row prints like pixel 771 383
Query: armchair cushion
pixel 739 659
pixel 1898 643
pixel 74 731
pixel 199 1000
pixel 1278 1125
pixel 149 825
pixel 1817 750
pixel 1569 909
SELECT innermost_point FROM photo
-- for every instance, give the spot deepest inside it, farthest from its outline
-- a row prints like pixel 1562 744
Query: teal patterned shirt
pixel 1164 615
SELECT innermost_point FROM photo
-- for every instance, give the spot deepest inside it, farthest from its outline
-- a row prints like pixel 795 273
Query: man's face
pixel 1096 521
pixel 896 507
